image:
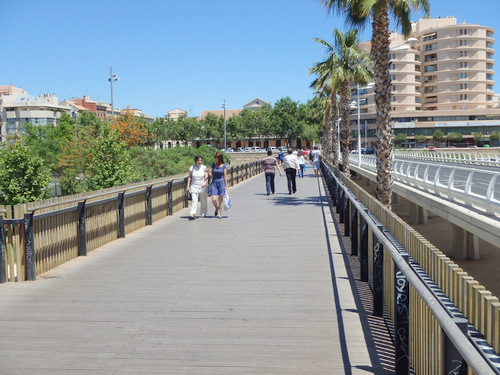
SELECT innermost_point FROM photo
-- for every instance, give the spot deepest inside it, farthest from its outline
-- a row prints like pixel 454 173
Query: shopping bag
pixel 227 201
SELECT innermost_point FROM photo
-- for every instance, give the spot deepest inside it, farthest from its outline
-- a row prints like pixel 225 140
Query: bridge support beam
pixel 418 214
pixel 465 244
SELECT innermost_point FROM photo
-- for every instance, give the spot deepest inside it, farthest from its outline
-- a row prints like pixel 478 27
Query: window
pixel 430 37
pixel 393 66
pixel 431 47
pixel 489 55
pixel 463 54
pixel 462 65
pixel 462 43
pixel 430 68
pixel 463 96
pixel 462 75
pixel 432 57
pixel 489 34
pixel 429 89
pixel 489 76
pixel 489 98
pixel 463 31
pixel 430 79
pixel 417 99
pixel 489 45
pixel 463 86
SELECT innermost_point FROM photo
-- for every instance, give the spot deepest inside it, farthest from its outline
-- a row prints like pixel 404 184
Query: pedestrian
pixel 291 167
pixel 302 163
pixel 316 158
pixel 197 185
pixel 218 187
pixel 280 157
pixel 269 163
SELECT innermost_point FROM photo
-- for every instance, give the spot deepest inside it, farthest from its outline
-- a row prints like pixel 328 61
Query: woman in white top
pixel 197 186
pixel 302 163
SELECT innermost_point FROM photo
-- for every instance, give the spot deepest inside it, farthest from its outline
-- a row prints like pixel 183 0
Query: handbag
pixel 188 195
pixel 227 201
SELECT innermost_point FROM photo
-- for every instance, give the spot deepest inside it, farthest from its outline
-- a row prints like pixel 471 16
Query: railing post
pixel 186 200
pixel 378 276
pixel 149 206
pixel 237 174
pixel 232 176
pixel 363 249
pixel 29 247
pixel 402 320
pixel 121 215
pixel 354 231
pixel 453 361
pixel 3 276
pixel 170 200
pixel 82 230
pixel 341 206
pixel 347 216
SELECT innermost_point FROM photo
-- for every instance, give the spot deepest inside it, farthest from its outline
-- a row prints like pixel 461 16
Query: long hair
pixel 219 155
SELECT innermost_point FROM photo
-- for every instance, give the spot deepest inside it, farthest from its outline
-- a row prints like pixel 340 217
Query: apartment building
pixel 17 107
pixel 442 78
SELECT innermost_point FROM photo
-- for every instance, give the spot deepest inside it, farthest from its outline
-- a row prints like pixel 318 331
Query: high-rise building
pixel 442 78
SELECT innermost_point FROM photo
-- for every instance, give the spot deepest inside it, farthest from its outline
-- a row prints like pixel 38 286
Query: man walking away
pixel 269 163
pixel 316 158
pixel 291 167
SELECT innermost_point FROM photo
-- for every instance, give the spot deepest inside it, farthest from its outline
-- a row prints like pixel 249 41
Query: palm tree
pixel 352 69
pixel 327 86
pixel 360 12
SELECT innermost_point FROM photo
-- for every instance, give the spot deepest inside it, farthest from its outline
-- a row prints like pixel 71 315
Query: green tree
pixel 360 13
pixel 284 119
pixel 478 137
pixel 438 136
pixel 46 141
pixel 23 177
pixel 420 138
pixel 454 137
pixel 399 139
pixel 494 136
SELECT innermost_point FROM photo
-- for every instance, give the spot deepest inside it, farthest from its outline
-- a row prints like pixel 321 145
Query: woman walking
pixel 218 187
pixel 197 185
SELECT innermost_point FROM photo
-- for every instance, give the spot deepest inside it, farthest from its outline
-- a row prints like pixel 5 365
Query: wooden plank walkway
pixel 267 289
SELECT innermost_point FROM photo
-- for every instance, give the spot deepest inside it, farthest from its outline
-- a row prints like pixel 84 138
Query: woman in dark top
pixel 218 187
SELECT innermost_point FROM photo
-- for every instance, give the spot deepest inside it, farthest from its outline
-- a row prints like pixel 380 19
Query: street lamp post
pixel 112 78
pixel 224 106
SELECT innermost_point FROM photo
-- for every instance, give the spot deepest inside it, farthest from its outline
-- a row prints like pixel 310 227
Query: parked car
pixel 282 149
pixel 431 148
pixel 255 149
pixel 272 149
pixel 368 151
pixel 240 149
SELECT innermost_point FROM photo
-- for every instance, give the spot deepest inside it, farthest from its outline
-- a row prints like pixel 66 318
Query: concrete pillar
pixel 465 244
pixel 418 215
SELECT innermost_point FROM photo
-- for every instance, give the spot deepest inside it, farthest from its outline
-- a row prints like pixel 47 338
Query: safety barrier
pixel 459 156
pixel 416 286
pixel 37 237
pixel 473 188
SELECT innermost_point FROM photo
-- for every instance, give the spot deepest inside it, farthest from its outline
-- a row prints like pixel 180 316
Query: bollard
pixel 170 203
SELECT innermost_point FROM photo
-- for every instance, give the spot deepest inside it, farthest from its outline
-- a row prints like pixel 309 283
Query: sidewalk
pixel 266 289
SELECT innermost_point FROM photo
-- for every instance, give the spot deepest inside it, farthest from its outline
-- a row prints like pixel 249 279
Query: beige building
pixel 442 78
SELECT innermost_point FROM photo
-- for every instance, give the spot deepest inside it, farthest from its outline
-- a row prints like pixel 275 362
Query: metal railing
pixel 429 336
pixel 472 187
pixel 40 236
pixel 476 158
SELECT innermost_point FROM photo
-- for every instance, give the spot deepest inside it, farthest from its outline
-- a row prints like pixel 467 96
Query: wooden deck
pixel 267 289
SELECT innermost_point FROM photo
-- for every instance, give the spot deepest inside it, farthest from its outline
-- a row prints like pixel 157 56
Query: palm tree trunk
pixel 333 134
pixel 345 128
pixel 380 56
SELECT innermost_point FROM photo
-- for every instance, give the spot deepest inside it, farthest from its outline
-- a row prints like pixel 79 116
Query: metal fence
pixel 416 288
pixel 37 237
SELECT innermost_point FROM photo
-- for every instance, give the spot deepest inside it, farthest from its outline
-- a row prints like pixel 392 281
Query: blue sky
pixel 188 54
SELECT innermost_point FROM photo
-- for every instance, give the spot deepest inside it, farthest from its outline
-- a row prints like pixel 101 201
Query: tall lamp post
pixel 112 78
pixel 359 127
pixel 224 106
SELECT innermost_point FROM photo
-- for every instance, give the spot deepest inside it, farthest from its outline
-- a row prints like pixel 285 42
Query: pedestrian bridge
pixel 278 285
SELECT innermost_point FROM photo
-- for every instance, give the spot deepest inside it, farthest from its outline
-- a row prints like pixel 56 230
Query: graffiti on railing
pixel 402 320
